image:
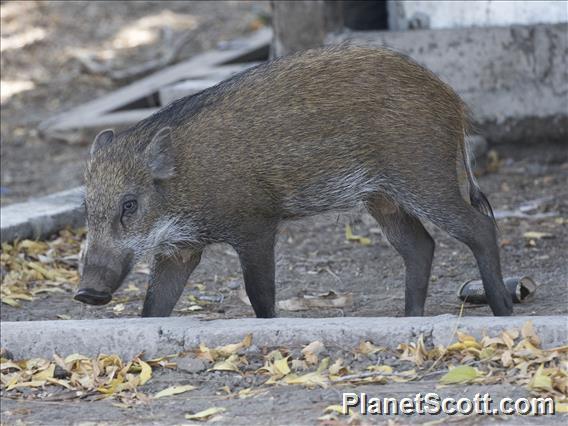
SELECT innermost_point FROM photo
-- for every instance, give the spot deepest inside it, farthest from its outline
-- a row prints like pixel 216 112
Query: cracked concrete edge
pixel 162 336
pixel 43 216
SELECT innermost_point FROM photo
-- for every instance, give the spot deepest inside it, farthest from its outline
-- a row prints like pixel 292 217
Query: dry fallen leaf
pixel 349 236
pixel 35 267
pixel 174 390
pixel 146 373
pixel 460 375
pixel 205 414
pixel 230 349
pixel 229 364
pixel 534 235
pixel 312 351
pixel 367 348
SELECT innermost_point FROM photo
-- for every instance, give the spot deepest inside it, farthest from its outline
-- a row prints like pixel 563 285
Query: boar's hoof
pixel 93 297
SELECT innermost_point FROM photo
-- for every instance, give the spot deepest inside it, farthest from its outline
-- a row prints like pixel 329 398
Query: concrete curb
pixel 161 336
pixel 41 217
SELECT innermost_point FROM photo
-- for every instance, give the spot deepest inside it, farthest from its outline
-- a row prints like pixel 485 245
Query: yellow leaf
pixel 227 365
pixel 349 236
pixel 116 385
pixel 336 409
pixel 540 381
pixel 367 348
pixel 10 301
pixel 46 274
pixel 64 383
pixel 174 390
pixel 561 407
pixel 458 346
pixel 528 332
pixel 472 344
pixel 462 337
pixel 45 374
pixel 338 369
pixel 535 235
pixel 250 392
pixel 309 379
pixel 312 351
pixel 205 414
pixel 507 339
pixel 324 364
pixel 146 372
pixel 460 374
pixel 405 376
pixel 7 364
pixel 12 382
pixel 486 353
pixel 380 368
pixel 74 357
pixel 228 350
pixel 205 353
pixel 506 359
pixel 281 366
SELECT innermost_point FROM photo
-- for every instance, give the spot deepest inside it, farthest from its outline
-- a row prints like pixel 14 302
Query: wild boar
pixel 317 131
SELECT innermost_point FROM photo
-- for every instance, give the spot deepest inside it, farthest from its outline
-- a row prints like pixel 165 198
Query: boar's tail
pixel 476 196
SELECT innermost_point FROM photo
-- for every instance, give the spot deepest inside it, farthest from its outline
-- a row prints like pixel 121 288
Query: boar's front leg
pixel 257 263
pixel 167 280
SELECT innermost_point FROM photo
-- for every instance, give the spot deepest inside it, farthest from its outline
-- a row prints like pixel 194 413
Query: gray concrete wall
pixel 478 13
pixel 515 79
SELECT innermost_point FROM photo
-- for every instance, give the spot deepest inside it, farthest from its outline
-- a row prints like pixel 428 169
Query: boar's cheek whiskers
pixel 164 238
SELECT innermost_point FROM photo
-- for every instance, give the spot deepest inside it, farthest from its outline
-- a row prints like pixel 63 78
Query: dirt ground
pixel 42 76
pixel 313 256
pixel 274 406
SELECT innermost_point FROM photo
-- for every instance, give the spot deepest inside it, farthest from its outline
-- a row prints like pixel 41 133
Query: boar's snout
pixel 99 281
pixel 93 297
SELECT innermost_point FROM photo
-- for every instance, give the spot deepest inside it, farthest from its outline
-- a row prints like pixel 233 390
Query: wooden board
pixel 103 112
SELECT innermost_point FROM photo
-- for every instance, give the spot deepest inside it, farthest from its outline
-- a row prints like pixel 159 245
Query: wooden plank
pixel 119 118
pixel 197 66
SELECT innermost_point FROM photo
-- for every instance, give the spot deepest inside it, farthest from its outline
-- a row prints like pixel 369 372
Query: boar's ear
pixel 103 139
pixel 159 155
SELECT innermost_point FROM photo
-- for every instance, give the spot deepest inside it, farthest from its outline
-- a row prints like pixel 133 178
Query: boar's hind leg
pixel 449 211
pixel 167 280
pixel 257 263
pixel 413 243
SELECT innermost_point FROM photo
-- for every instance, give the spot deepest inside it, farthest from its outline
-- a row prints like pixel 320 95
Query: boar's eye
pixel 129 207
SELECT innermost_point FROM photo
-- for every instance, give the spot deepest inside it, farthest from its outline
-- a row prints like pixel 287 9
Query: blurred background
pixel 43 70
